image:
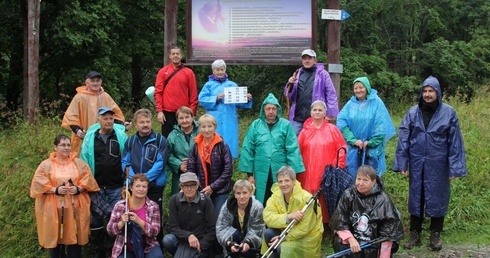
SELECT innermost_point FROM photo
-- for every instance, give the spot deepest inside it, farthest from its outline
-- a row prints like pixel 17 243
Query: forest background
pixel 395 43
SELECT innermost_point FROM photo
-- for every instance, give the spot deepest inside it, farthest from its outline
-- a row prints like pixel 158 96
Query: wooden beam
pixel 333 45
pixel 31 61
pixel 170 29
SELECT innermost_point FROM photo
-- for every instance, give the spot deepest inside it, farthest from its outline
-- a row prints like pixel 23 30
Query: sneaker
pixel 435 241
pixel 414 240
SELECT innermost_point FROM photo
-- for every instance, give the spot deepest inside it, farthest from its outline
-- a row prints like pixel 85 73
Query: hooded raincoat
pixel 83 112
pixel 431 155
pixel 319 147
pixel 305 238
pixel 225 114
pixel 48 207
pixel 264 149
pixel 178 149
pixel 368 217
pixel 366 120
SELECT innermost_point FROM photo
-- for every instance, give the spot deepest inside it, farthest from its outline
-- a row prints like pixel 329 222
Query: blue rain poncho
pixel 366 120
pixel 431 155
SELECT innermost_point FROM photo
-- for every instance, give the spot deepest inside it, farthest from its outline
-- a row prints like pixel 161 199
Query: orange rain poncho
pixel 319 148
pixel 83 112
pixel 50 173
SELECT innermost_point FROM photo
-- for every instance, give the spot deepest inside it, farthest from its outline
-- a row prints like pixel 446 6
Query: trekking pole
pixel 363 246
pixel 285 232
pixel 62 213
pixel 73 207
pixel 126 225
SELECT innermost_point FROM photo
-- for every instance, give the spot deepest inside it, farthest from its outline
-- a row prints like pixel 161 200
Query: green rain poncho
pixel 264 149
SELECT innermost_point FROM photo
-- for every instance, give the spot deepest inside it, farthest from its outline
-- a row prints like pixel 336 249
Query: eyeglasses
pixel 64 145
pixel 188 185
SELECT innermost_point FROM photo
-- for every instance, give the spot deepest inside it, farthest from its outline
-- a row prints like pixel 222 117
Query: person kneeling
pixel 284 206
pixel 240 225
pixel 364 214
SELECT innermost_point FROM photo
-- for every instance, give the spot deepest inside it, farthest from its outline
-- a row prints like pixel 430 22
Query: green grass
pixel 468 222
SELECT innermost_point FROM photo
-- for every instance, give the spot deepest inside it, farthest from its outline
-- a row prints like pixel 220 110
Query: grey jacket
pixel 254 224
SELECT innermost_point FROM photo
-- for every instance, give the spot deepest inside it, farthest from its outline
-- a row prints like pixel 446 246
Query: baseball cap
pixel 308 52
pixel 104 110
pixel 93 74
pixel 188 177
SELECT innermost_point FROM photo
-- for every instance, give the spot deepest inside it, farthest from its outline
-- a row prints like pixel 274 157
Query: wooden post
pixel 31 61
pixel 333 45
pixel 170 28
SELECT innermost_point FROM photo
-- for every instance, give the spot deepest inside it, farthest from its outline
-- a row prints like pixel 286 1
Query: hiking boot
pixel 435 241
pixel 414 240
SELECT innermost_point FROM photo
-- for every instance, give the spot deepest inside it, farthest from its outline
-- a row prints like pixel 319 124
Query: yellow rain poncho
pixel 50 173
pixel 305 238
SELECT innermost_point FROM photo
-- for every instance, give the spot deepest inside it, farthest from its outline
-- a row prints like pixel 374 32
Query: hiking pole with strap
pixel 126 225
pixel 363 246
pixel 285 232
pixel 73 207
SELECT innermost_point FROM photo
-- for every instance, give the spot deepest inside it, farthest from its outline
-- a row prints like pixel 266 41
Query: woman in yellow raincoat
pixel 60 187
pixel 285 205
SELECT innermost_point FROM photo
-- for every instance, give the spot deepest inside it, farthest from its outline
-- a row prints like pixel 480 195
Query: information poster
pixel 250 29
pixel 234 95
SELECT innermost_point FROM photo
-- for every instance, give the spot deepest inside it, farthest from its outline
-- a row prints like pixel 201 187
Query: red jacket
pixel 181 90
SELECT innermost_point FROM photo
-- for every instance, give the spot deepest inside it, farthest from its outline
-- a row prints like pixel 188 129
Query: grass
pixel 24 146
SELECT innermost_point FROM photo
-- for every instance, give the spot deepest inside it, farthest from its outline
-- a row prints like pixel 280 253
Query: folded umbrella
pixel 335 181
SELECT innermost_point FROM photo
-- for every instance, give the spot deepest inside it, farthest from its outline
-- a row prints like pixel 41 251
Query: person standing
pixel 309 83
pixel 212 98
pixel 146 152
pixel 175 86
pixel 60 186
pixel 431 152
pixel 319 143
pixel 366 126
pixel 180 142
pixel 82 111
pixel 269 144
pixel 102 150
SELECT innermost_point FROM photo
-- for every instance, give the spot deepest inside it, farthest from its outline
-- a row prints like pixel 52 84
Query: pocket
pixel 151 152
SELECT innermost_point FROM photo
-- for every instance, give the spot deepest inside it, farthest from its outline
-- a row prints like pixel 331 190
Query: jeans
pixel 269 233
pixel 112 196
pixel 297 126
pixel 154 252
pixel 218 201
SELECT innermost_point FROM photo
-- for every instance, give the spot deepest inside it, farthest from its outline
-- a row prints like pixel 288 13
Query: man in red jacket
pixel 175 87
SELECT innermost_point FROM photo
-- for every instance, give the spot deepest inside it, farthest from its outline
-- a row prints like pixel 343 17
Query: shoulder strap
pixel 159 138
pixel 172 75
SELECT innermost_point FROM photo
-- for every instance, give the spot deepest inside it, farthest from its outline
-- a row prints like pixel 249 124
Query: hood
pixel 434 83
pixel 52 157
pixel 84 89
pixel 271 99
pixel 365 82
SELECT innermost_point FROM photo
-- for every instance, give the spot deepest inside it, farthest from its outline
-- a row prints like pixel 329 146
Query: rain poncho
pixel 368 217
pixel 264 149
pixel 366 120
pixel 83 112
pixel 225 114
pixel 431 155
pixel 305 238
pixel 50 173
pixel 319 148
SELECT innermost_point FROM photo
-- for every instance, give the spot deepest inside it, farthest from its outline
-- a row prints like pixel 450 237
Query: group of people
pixel 284 161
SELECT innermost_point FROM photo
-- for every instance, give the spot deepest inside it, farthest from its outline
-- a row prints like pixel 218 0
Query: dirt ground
pixel 452 251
